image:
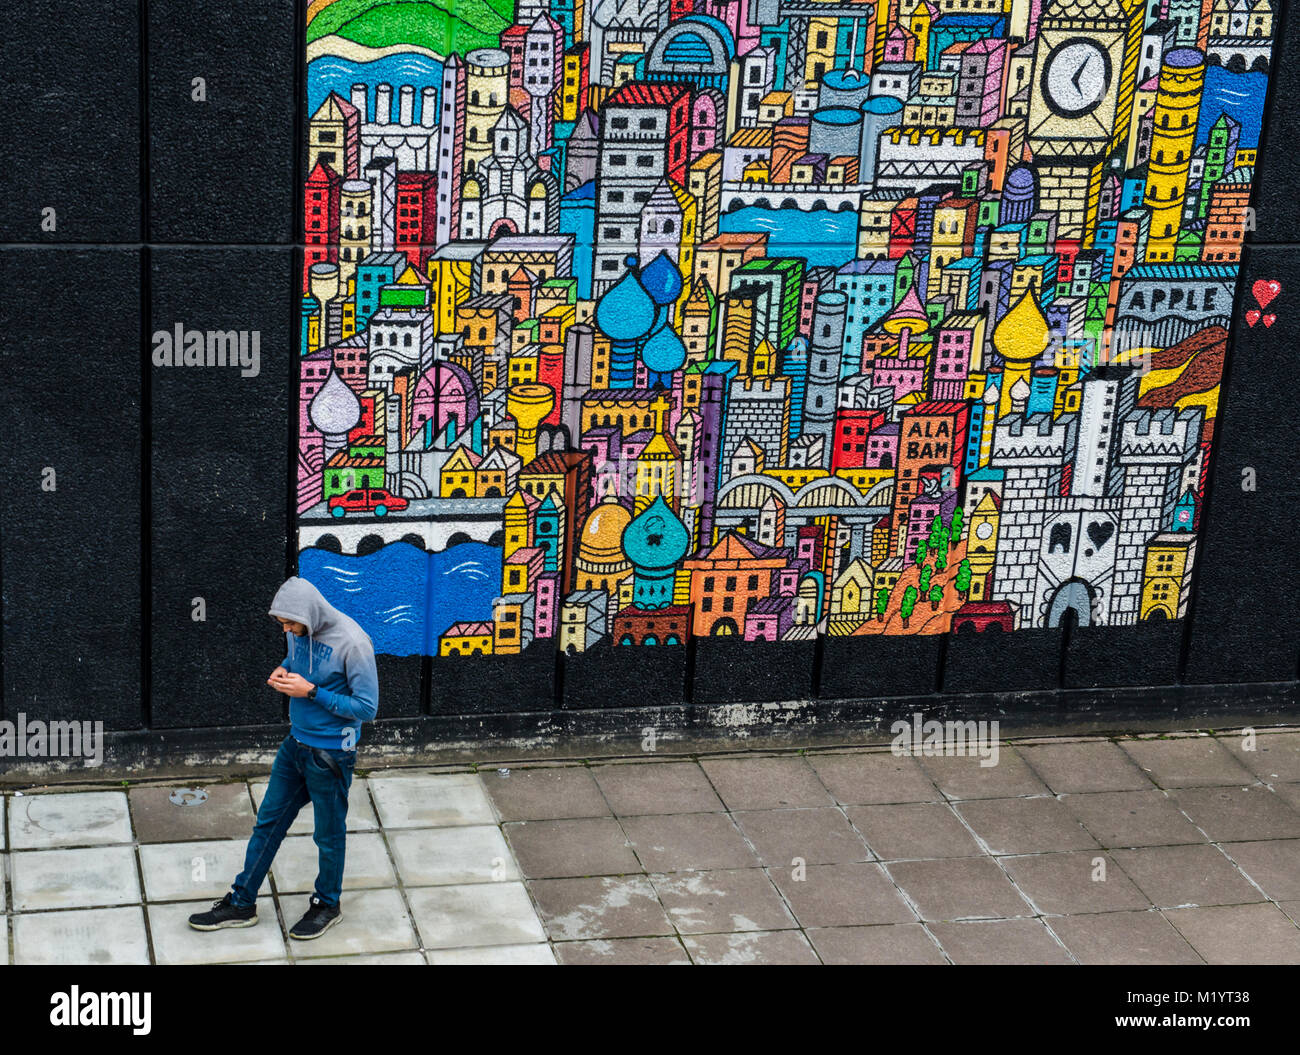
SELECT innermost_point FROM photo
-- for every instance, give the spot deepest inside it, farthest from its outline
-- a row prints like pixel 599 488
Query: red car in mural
pixel 367 500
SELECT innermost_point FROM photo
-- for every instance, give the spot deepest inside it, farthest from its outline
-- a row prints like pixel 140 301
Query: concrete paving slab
pixel 373 921
pixel 1276 756
pixel 226 813
pixel 913 830
pixel 959 888
pixel 443 856
pixel 874 777
pixel 1185 876
pixel 390 959
pixel 469 914
pixel 175 942
pixel 891 943
pixel 1239 934
pixel 90 877
pixel 667 951
pixel 1133 818
pixel 1025 825
pixel 584 847
pixel 728 900
pixel 81 936
pixel 1124 938
pixel 1000 941
pixel 821 835
pixel 492 955
pixel 1273 865
pixel 681 842
pixel 365 863
pixel 1063 884
pixel 361 815
pixel 1239 814
pixel 76 818
pixel 601 907
pixel 184 871
pixel 550 793
pixel 433 801
pixel 758 947
pixel 963 776
pixel 656 787
pixel 1089 765
pixel 1187 762
pixel 766 783
pixel 841 895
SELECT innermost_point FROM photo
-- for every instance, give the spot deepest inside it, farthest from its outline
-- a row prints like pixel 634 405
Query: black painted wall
pixel 173 485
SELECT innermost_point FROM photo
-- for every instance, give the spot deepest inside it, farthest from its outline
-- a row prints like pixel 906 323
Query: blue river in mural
pixel 404 597
pixel 329 73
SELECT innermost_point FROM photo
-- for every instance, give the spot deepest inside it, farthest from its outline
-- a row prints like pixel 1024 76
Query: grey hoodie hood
pixel 299 601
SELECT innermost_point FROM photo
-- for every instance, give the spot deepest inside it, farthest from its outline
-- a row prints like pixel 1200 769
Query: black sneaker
pixel 224 913
pixel 318 918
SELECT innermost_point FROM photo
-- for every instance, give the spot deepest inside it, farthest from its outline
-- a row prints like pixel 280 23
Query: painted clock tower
pixel 1081 102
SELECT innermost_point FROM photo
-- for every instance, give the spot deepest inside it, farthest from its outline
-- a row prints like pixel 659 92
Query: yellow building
pixel 518 522
pixel 1167 575
pixel 459 476
pixel 466 639
pixel 1178 105
pixel 982 543
pixel 656 468
pixel 487 89
pixel 853 593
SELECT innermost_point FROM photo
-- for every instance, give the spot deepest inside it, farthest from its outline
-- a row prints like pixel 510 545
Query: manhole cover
pixel 188 797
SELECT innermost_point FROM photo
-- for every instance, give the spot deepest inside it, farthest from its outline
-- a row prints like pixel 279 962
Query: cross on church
pixel 660 406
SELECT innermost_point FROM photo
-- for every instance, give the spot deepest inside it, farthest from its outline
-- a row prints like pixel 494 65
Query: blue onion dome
pixel 625 312
pixel 655 538
pixel 662 280
pixel 664 352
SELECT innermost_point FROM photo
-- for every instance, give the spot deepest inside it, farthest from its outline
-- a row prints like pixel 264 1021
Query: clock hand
pixel 1079 73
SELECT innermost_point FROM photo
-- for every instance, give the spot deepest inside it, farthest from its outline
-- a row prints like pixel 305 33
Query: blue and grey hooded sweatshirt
pixel 337 657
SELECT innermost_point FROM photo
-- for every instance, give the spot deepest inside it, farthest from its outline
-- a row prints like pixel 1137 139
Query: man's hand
pixel 290 684
pixel 279 672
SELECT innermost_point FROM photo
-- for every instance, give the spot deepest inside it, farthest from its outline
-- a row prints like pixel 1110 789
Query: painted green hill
pixel 458 27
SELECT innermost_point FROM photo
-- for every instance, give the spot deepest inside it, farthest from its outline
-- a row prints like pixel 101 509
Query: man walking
pixel 329 673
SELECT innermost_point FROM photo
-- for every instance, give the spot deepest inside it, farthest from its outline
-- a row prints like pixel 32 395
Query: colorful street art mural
pixel 629 321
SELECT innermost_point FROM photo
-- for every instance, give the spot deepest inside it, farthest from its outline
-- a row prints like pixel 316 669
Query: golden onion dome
pixel 602 534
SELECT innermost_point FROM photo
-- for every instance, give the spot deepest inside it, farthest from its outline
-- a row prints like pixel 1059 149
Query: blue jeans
pixel 299 777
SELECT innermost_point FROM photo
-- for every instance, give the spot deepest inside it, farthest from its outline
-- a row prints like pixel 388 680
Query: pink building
pixel 769 618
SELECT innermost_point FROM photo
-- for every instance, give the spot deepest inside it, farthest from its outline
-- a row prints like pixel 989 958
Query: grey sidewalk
pixel 1162 849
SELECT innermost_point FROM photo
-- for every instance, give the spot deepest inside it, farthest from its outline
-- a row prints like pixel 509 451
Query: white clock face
pixel 1075 77
pixel 984 530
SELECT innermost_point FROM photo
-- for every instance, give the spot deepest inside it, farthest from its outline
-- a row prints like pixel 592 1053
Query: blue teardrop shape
pixel 662 280
pixel 625 312
pixel 656 538
pixel 663 352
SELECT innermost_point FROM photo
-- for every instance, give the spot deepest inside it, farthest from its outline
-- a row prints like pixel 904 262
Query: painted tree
pixel 920 553
pixel 926 572
pixel 940 559
pixel 936 596
pixel 962 581
pixel 882 603
pixel 938 534
pixel 954 530
pixel 908 604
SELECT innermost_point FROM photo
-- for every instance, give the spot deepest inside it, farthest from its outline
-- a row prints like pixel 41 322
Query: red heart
pixel 1265 290
pixel 1268 320
pixel 1252 317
